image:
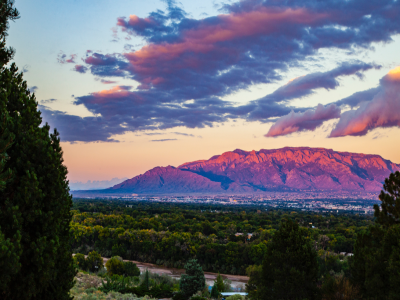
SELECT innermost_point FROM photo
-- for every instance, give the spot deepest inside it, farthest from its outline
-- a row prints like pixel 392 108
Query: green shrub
pixel 80 261
pixel 115 266
pixel 235 297
pixel 130 269
pixel 94 262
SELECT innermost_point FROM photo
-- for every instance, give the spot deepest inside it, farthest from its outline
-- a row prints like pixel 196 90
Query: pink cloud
pixel 153 59
pixel 63 58
pixel 301 121
pixel 382 111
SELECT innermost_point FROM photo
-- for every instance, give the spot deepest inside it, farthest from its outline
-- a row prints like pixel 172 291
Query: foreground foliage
pixel 36 257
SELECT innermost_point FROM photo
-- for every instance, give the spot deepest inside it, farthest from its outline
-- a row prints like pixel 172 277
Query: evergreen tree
pixel 219 282
pixel 35 258
pixel 214 292
pixel 193 280
pixel 375 266
pixel 290 267
pixel 130 269
pixel 146 281
pixel 389 212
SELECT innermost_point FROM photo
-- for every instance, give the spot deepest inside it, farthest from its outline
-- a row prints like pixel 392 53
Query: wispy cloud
pixel 163 140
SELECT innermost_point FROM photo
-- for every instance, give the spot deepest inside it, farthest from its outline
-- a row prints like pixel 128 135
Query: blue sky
pixel 193 79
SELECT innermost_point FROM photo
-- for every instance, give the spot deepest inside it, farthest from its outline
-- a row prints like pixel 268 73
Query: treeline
pixel 217 236
pixel 290 267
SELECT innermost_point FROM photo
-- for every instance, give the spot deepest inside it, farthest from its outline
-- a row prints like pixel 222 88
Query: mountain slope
pixel 286 169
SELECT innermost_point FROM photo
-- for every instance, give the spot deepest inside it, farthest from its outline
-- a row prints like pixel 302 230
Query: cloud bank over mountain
pixel 188 65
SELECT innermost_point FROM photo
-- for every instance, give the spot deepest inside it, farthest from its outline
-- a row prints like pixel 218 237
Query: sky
pixel 131 85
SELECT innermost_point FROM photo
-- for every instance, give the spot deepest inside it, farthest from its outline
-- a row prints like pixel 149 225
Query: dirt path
pixel 236 279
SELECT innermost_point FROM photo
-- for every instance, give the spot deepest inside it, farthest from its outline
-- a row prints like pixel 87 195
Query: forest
pixel 226 239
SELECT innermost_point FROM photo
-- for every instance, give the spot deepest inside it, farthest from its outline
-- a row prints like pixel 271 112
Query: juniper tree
pixel 194 280
pixel 35 258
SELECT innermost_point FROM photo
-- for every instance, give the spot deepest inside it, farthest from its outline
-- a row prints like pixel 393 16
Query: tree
pixel 35 204
pixel 389 214
pixel 375 266
pixel 130 269
pixel 94 261
pixel 80 261
pixel 193 280
pixel 5 142
pixel 290 268
pixel 115 266
pixel 214 292
pixel 219 283
pixel 146 281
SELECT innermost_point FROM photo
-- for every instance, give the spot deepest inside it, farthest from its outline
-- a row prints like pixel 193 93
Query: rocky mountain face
pixel 286 169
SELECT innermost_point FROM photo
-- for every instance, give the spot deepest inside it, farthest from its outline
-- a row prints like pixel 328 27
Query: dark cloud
pixel 201 60
pixel 25 68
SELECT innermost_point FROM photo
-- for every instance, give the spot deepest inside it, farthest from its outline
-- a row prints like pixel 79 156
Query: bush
pixel 94 262
pixel 130 269
pixel 179 296
pixel 80 261
pixel 115 266
pixel 236 297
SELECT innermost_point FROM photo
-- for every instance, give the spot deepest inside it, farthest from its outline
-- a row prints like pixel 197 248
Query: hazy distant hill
pixel 95 184
pixel 286 169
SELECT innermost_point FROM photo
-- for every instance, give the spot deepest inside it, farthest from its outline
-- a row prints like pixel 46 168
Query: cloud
pixel 184 134
pixel 359 97
pixel 33 89
pixel 80 69
pixel 382 111
pixel 163 140
pixel 203 60
pixel 62 58
pixel 48 101
pixel 107 81
pixel 308 120
pixel 306 85
pixel 25 68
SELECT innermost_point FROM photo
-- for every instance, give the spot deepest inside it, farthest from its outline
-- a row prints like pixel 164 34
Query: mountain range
pixel 281 170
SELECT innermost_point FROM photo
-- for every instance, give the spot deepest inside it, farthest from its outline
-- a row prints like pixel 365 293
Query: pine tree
pixel 35 258
pixel 290 268
pixel 193 280
pixel 389 212
pixel 214 292
pixel 219 282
